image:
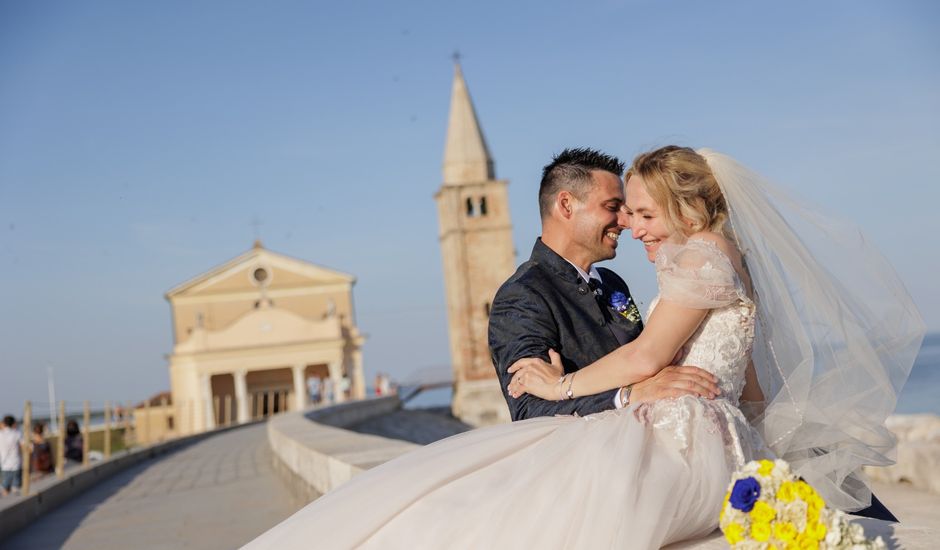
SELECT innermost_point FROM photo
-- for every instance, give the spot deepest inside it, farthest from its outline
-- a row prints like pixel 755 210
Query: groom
pixel 559 300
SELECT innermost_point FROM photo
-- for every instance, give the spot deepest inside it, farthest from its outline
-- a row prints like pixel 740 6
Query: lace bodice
pixel 699 275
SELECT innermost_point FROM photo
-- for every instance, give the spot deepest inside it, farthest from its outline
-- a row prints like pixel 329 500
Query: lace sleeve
pixel 696 274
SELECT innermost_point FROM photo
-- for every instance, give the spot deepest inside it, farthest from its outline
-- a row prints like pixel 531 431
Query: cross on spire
pixel 256 229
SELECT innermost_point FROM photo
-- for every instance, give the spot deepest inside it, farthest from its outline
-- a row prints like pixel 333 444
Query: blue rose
pixel 619 301
pixel 745 493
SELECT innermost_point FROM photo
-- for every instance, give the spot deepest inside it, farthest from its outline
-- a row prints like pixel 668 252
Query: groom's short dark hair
pixel 571 170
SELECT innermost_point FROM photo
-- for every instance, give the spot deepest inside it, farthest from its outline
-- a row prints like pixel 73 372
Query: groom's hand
pixel 676 381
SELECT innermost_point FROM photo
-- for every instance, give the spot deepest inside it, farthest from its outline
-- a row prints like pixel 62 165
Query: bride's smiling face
pixel 645 217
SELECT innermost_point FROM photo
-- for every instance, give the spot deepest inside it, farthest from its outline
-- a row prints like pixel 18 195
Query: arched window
pixel 476 207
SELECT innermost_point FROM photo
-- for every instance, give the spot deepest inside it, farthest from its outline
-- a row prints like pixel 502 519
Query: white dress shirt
pixel 10 453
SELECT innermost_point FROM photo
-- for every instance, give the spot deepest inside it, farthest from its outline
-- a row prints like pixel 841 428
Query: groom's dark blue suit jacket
pixel 547 305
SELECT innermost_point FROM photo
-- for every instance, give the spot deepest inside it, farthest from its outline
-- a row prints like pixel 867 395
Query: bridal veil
pixel 837 334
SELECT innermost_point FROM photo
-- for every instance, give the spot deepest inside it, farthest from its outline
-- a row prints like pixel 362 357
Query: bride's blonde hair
pixel 682 184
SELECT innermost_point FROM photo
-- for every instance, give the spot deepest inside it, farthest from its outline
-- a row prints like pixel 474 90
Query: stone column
pixel 300 388
pixel 209 411
pixel 358 377
pixel 336 376
pixel 241 396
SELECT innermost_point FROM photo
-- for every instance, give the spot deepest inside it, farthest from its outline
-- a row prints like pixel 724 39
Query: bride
pixel 802 323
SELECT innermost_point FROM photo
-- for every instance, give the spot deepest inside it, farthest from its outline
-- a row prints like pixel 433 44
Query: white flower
pixel 857 533
pixel 833 537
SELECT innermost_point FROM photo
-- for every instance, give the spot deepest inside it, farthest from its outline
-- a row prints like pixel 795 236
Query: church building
pixel 255 334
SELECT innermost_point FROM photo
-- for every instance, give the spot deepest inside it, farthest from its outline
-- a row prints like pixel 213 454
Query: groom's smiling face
pixel 597 218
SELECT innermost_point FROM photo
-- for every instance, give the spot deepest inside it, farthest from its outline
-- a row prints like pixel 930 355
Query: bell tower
pixel 478 255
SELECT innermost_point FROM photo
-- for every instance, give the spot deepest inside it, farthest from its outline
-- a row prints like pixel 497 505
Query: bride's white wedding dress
pixel 639 477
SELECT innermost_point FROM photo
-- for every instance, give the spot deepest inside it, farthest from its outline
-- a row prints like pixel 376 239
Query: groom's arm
pixel 521 325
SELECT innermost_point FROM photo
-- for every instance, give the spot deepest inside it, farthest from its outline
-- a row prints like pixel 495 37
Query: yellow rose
pixel 807 542
pixel 785 531
pixel 815 502
pixel 817 530
pixel 812 515
pixel 760 531
pixel 762 512
pixel 804 490
pixel 734 533
pixel 786 492
pixel 766 467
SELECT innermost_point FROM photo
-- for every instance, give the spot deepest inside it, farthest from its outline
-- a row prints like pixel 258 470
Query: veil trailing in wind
pixel 837 334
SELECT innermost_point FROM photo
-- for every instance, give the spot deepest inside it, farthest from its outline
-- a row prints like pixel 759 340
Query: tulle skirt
pixel 640 477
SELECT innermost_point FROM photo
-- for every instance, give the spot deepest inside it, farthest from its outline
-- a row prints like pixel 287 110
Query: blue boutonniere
pixel 623 304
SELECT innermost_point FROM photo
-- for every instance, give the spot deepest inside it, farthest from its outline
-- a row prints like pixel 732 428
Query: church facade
pixel 254 335
pixel 477 251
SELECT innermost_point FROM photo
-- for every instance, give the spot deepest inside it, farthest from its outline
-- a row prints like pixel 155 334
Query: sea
pixel 921 393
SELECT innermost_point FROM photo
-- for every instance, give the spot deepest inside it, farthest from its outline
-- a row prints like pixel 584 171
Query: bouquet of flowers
pixel 768 507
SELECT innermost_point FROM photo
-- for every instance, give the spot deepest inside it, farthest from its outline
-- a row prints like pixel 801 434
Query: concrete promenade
pixel 220 492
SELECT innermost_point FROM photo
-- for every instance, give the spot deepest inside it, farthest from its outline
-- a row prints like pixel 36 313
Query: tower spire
pixel 466 156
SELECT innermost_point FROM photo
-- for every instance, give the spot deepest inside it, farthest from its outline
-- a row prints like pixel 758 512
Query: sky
pixel 143 143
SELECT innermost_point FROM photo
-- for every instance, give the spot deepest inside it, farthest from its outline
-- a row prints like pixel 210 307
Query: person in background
pixel 74 443
pixel 11 461
pixel 41 455
pixel 345 386
pixel 327 390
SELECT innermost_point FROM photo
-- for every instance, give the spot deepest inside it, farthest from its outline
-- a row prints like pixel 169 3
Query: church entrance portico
pixel 259 385
pixel 270 390
pixel 223 398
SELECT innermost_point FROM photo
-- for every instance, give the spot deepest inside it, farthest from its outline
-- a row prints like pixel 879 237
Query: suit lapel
pixel 623 330
pixel 595 316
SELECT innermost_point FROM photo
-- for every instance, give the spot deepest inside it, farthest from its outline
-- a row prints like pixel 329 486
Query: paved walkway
pixel 218 493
